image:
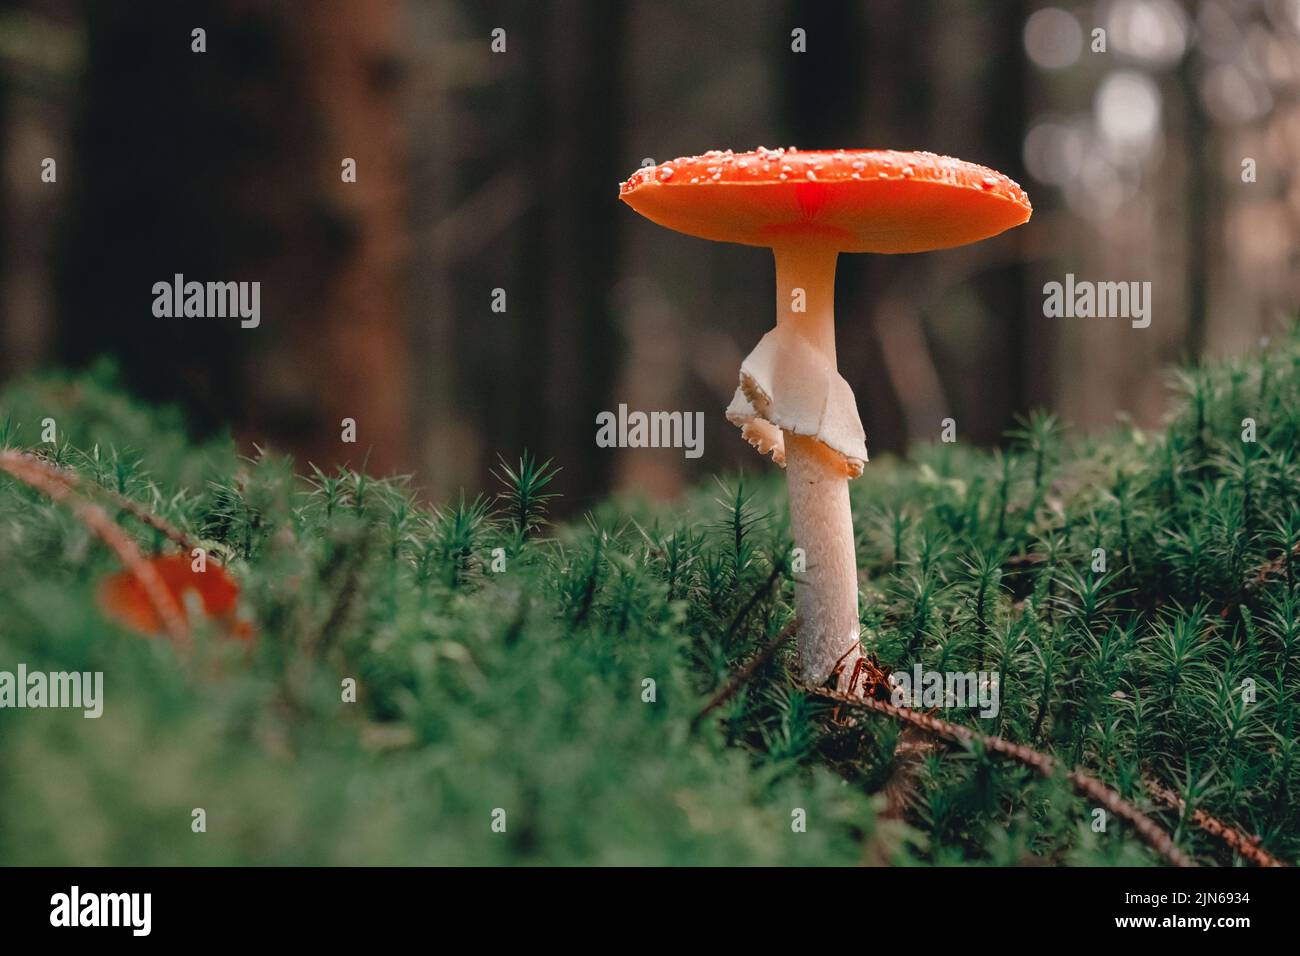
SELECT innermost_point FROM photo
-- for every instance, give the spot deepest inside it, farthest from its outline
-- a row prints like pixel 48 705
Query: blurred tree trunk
pixel 349 240
pixel 1197 136
pixel 37 80
pixel 438 421
pixel 225 166
pixel 1019 377
pixel 566 354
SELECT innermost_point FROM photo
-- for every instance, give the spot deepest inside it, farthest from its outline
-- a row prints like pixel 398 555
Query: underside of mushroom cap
pixel 787 384
pixel 871 200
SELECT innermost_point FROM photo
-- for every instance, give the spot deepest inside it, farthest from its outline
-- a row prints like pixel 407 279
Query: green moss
pixel 521 688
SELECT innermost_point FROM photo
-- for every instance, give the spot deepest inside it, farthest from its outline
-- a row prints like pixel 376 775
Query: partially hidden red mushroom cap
pixel 850 200
pixel 124 599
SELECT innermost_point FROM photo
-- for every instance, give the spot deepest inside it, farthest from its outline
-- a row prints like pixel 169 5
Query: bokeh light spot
pixel 1053 38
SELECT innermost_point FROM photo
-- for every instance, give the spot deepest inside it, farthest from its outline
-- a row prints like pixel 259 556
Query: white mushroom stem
pixel 826 593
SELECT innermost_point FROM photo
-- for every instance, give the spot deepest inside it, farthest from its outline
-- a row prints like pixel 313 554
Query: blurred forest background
pixel 480 170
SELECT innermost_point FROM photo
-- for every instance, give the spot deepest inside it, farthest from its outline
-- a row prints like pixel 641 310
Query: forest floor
pixel 475 685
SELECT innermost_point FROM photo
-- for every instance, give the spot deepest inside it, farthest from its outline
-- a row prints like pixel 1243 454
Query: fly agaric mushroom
pixel 124 599
pixel 791 403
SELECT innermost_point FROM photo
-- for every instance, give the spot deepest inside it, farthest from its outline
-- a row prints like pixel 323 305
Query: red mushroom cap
pixel 125 600
pixel 851 200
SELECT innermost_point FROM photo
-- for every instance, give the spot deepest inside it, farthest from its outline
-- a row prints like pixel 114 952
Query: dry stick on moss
pixel 50 481
pixel 748 671
pixel 1265 573
pixel 145 516
pixel 1245 845
pixel 137 510
pixel 345 601
pixel 1046 766
pixel 910 749
pixel 757 596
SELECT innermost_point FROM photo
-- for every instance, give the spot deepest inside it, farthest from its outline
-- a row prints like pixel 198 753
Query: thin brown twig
pixel 748 671
pixel 1272 569
pixel 910 749
pixel 1147 829
pixel 137 510
pixel 1263 575
pixel 147 517
pixel 52 482
pixel 757 596
pixel 1242 843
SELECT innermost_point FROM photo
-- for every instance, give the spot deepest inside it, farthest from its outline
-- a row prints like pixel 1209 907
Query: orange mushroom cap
pixel 124 600
pixel 868 200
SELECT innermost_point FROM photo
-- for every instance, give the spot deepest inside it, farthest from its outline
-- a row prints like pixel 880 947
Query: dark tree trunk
pixel 1020 365
pixel 225 166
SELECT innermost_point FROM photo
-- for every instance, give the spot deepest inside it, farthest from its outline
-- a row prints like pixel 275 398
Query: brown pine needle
pixel 137 510
pixel 747 672
pixel 146 517
pixel 757 596
pixel 909 752
pixel 1241 843
pixel 1265 573
pixel 1146 828
pixel 52 482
